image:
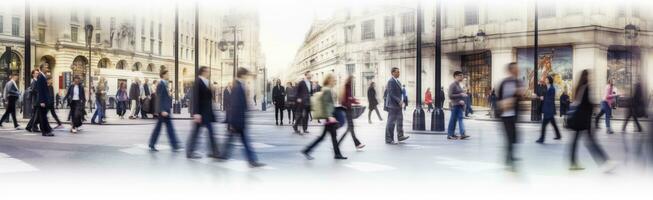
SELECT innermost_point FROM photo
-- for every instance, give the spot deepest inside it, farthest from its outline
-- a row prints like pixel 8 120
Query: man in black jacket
pixel 278 99
pixel 304 92
pixel 32 125
pixel 12 93
pixel 202 115
pixel 76 98
pixel 134 97
pixel 44 98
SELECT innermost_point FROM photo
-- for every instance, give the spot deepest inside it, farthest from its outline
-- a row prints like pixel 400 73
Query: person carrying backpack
pixel 322 105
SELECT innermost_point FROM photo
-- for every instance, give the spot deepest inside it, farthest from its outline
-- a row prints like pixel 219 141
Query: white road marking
pixel 11 165
pixel 469 166
pixel 233 165
pixel 369 167
pixel 142 149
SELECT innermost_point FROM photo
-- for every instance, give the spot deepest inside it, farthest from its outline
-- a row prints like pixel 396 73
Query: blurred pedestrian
pixel 347 100
pixel 457 103
pixel 238 119
pixel 226 100
pixel 581 123
pixel 76 98
pixel 564 103
pixel 279 100
pixel 31 100
pixel 492 99
pixel 404 96
pixel 51 104
pixel 394 103
pixel 135 98
pixel 468 103
pixel 121 100
pixel 202 115
pixel 100 101
pixel 637 107
pixel 607 103
pixel 428 99
pixel 510 91
pixel 324 109
pixel 372 102
pixel 548 110
pixel 44 98
pixel 146 94
pixel 163 105
pixel 304 92
pixel 291 98
pixel 12 94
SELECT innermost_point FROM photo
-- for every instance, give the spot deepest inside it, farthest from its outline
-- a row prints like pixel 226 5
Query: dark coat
pixel 371 98
pixel 43 93
pixel 70 93
pixel 146 90
pixel 548 104
pixel 163 100
pixel 278 95
pixel 584 110
pixel 226 99
pixel 134 91
pixel 33 93
pixel 393 94
pixel 238 109
pixel 203 101
pixel 303 93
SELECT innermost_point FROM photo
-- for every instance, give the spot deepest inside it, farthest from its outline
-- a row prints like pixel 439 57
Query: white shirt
pixel 75 92
pixel 205 81
pixel 308 85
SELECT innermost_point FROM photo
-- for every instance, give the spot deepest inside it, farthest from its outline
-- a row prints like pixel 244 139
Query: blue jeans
pixel 172 137
pixel 607 110
pixel 99 112
pixel 456 116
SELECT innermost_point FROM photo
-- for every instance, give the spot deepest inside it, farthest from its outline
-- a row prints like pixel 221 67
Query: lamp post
pixel 630 33
pixel 236 45
pixel 535 103
pixel 265 89
pixel 176 105
pixel 418 114
pixel 88 29
pixel 28 56
pixel 437 116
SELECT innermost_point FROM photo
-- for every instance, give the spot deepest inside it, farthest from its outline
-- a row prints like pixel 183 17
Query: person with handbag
pixel 548 110
pixel 75 97
pixel 607 104
pixel 580 121
pixel 636 108
pixel 347 100
pixel 323 108
pixel 372 103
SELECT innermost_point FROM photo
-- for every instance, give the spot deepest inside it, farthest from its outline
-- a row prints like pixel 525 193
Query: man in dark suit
pixel 202 115
pixel 278 99
pixel 238 118
pixel 146 98
pixel 134 98
pixel 12 93
pixel 44 97
pixel 32 125
pixel 163 105
pixel 303 94
pixel 394 105
pixel 226 101
pixel 76 98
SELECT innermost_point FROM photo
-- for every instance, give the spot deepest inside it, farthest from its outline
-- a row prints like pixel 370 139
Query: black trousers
pixel 509 124
pixel 32 125
pixel 632 114
pixel 291 113
pixel 545 122
pixel 43 120
pixel 331 129
pixel 54 114
pixel 11 110
pixel 278 110
pixel 192 140
pixel 595 150
pixel 76 112
pixel 302 117
pixel 350 128
pixel 369 114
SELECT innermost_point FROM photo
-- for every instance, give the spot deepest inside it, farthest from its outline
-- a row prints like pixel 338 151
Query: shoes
pixel 541 141
pixel 73 130
pixel 370 121
pixel 297 131
pixel 557 138
pixel 307 156
pixel 178 149
pixel 256 164
pixel 48 134
pixel 360 146
pixel 403 138
pixel 305 132
pixel 193 156
pixel 153 149
pixel 58 126
pixel 276 123
pixel 391 142
pixel 464 137
pixel 452 137
pixel 608 166
pixel 340 158
pixel 575 167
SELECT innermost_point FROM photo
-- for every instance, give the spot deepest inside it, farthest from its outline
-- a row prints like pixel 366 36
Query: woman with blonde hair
pixel 323 107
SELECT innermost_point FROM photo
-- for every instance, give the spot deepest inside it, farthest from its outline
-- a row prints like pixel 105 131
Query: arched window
pixel 104 63
pixel 121 64
pixel 136 67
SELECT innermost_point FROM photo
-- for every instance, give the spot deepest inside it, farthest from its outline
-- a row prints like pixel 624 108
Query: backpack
pixel 317 107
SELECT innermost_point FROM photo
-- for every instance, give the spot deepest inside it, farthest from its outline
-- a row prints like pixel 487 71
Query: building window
pixel 151 29
pixel 98 23
pixel 160 44
pixel 41 34
pixel 143 44
pixel 367 30
pixel 151 45
pixel 15 26
pixel 98 39
pixel 112 24
pixel 573 10
pixel 471 14
pixel 41 15
pixel 547 9
pixel 143 27
pixel 2 24
pixel 621 10
pixel 408 22
pixel 389 26
pixel 73 16
pixel 160 31
pixel 636 12
pixel 73 34
pixel 351 68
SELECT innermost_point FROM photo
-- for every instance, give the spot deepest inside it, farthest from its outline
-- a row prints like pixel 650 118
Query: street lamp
pixel 630 33
pixel 88 29
pixel 237 45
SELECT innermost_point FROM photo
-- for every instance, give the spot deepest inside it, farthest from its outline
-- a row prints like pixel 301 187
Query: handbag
pixel 339 114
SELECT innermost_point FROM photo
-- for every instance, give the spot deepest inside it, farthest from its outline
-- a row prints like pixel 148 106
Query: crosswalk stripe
pixel 233 165
pixel 369 167
pixel 12 165
pixel 469 166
